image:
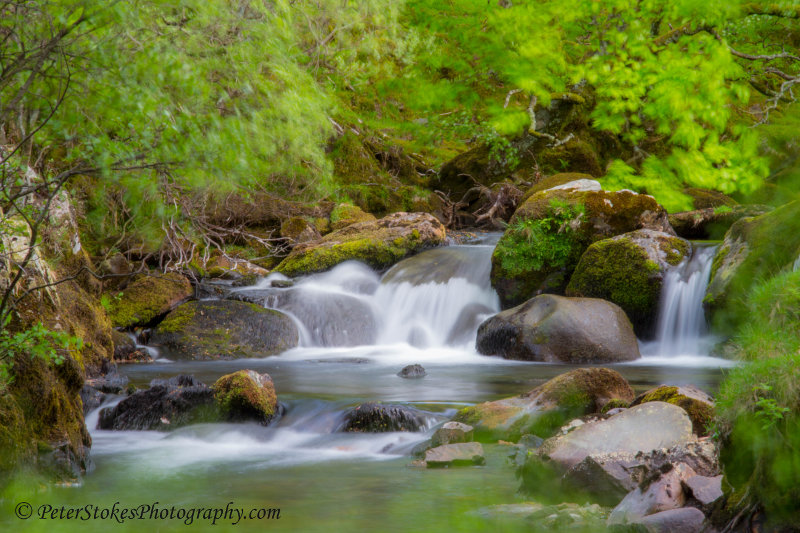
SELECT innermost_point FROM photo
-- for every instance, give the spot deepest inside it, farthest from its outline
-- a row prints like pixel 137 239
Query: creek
pixel 358 329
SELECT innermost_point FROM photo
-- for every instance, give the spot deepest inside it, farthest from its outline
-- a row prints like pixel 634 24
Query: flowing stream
pixel 358 329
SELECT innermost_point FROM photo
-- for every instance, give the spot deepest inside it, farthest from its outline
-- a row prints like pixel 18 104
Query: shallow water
pixel 424 311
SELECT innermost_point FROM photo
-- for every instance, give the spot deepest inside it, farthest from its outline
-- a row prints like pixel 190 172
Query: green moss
pixel 532 249
pixel 239 396
pixel 615 403
pixel 177 320
pixel 148 298
pixel 677 250
pixel 620 271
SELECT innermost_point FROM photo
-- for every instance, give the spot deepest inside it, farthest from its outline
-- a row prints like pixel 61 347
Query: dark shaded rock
pixel 545 408
pixel 246 395
pixel 697 404
pixel 379 243
pixel 91 398
pixel 224 329
pixel 148 298
pixel 461 454
pixel 110 381
pixel 629 271
pixel 167 404
pixel 558 329
pixel 710 222
pixel 412 372
pixel 606 477
pixel 451 433
pixel 381 418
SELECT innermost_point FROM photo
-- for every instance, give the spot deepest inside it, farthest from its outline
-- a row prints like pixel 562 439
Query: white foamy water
pixel 682 332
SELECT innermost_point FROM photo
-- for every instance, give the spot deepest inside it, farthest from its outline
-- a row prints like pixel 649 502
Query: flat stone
pixel 642 428
pixel 451 433
pixel 684 520
pixel 706 490
pixel 461 454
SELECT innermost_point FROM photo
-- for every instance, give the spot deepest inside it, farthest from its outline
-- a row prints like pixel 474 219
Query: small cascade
pixel 681 329
pixel 437 298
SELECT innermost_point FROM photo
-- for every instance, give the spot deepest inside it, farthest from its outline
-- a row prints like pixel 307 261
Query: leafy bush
pixel 36 341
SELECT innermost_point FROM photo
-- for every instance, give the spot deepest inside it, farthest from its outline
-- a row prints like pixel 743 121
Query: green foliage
pixel 532 243
pixel 36 341
pixel 758 408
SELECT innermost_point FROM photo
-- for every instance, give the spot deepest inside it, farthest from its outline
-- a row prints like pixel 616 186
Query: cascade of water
pixel 681 327
pixel 435 299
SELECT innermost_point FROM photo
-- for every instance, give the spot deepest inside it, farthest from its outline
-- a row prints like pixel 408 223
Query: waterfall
pixel 435 299
pixel 681 328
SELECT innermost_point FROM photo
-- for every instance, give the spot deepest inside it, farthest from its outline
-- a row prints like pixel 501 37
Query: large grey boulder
pixel 224 329
pixel 558 329
pixel 683 520
pixel 642 428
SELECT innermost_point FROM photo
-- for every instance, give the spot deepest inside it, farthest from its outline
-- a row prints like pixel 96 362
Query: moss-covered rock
pixel 550 231
pixel 629 270
pixel 224 330
pixel 225 267
pixel 558 329
pixel 544 409
pixel 345 214
pixel 147 299
pixel 697 404
pixel 712 222
pixel 246 395
pixel 379 243
pixel 707 198
pixel 754 248
pixel 381 418
pixel 299 230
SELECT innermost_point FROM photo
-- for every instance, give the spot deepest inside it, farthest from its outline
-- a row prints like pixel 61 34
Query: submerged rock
pixel 558 329
pixel 381 418
pixel 629 271
pixel 461 454
pixel 412 372
pixel 378 243
pixel 167 404
pixel 246 395
pixel 224 329
pixel 147 299
pixel 697 404
pixel 545 408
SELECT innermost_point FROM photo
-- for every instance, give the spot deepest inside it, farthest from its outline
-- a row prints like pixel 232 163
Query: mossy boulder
pixel 246 395
pixel 379 243
pixel 147 299
pixel 224 329
pixel 708 198
pixel 550 231
pixel 559 329
pixel 345 214
pixel 697 404
pixel 298 230
pixel 754 248
pixel 544 409
pixel 629 270
pixel 712 222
